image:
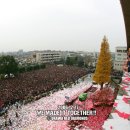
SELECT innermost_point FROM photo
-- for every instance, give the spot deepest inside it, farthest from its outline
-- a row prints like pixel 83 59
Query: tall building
pixel 120 57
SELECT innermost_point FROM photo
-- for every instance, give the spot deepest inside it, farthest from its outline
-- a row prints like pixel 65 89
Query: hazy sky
pixel 60 24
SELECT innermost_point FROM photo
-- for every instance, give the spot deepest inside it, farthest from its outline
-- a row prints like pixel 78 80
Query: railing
pixel 115 81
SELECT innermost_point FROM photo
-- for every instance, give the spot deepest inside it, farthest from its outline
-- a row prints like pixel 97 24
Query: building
pixel 90 58
pixel 65 54
pixel 120 57
pixel 48 56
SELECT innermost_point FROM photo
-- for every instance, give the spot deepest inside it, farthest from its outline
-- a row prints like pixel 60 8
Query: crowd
pixel 20 115
pixel 31 84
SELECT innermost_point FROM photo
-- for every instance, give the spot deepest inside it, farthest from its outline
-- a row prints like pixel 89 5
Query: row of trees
pixel 79 61
pixel 8 65
pixel 31 67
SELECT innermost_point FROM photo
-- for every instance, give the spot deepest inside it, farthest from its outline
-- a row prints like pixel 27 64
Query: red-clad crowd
pixel 36 82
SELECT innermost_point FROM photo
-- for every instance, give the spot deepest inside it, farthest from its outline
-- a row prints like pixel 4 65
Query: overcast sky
pixel 77 25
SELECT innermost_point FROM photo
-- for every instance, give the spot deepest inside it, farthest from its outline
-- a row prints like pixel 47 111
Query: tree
pixel 62 61
pixel 103 67
pixel 21 69
pixel 80 61
pixel 42 66
pixel 69 61
pixel 88 60
pixel 8 65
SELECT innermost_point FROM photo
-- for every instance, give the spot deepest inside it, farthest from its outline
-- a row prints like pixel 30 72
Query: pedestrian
pixel 10 122
pixel 16 114
pixel 5 123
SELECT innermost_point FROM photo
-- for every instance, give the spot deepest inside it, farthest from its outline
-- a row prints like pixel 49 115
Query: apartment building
pixel 48 56
pixel 120 57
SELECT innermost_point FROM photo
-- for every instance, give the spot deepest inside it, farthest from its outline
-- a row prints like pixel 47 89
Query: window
pixel 119 50
pixel 125 51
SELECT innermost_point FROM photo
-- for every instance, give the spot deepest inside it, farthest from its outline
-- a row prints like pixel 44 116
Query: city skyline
pixel 74 25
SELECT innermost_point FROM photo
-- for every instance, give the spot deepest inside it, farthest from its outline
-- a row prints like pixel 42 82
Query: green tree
pixel 69 61
pixel 103 67
pixel 8 65
pixel 42 66
pixel 86 65
pixel 80 61
pixel 62 61
pixel 21 69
